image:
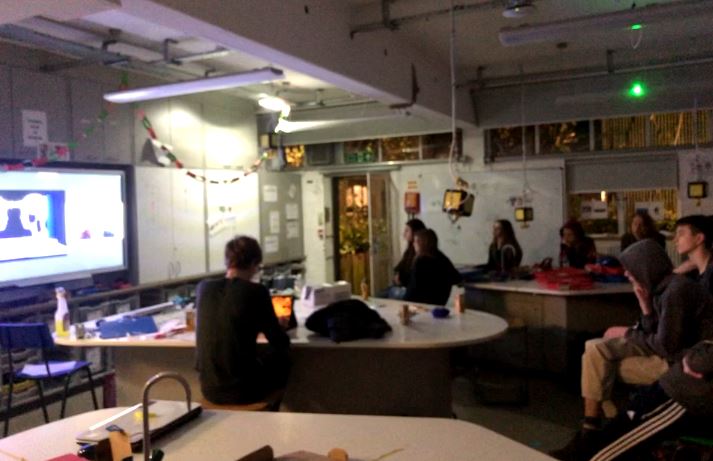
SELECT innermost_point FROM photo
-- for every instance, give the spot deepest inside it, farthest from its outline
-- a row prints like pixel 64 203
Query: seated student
pixel 232 311
pixel 642 227
pixel 504 253
pixel 679 403
pixel 676 313
pixel 693 239
pixel 433 273
pixel 576 248
pixel 402 271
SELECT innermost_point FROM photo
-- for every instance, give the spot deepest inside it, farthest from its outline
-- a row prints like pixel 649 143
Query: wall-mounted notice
pixel 292 211
pixel 274 222
pixel 271 244
pixel 269 193
pixel 293 229
pixel 34 127
pixel 593 209
pixel 655 209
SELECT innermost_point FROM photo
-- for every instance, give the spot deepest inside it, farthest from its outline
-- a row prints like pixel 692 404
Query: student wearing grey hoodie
pixel 676 313
pixel 679 403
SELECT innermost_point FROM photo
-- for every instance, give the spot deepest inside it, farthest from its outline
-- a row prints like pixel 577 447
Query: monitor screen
pixel 60 225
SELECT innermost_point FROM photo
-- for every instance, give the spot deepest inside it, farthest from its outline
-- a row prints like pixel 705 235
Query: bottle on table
pixel 61 315
pixel 364 289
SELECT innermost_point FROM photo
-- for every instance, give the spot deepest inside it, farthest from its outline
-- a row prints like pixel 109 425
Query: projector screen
pixel 60 225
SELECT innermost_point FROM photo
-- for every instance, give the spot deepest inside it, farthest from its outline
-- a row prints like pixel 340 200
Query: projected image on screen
pixel 31 224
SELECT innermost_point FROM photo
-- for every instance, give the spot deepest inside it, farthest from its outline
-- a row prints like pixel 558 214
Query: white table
pixel 222 435
pixel 405 373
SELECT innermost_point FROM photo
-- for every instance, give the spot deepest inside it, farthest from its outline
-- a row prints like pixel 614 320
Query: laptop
pixel 283 306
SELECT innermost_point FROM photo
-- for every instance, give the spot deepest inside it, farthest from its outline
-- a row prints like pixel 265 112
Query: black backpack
pixel 347 320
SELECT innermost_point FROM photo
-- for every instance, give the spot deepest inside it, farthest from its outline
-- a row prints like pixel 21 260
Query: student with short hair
pixel 676 313
pixel 232 311
pixel 694 239
pixel 433 273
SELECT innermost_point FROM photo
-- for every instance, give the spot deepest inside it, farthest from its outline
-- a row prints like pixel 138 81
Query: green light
pixel 636 26
pixel 637 90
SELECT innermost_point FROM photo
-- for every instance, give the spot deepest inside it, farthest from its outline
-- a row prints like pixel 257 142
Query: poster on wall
pixel 34 127
pixel 271 244
pixel 654 209
pixel 593 209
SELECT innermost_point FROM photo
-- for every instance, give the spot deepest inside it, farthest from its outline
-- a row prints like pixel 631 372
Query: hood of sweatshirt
pixel 647 262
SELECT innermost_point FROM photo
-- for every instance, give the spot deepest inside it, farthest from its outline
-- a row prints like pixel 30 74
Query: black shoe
pixel 583 445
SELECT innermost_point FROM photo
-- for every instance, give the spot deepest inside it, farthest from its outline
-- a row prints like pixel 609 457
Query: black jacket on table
pixel 231 314
pixel 431 279
pixel 694 394
pixel 682 310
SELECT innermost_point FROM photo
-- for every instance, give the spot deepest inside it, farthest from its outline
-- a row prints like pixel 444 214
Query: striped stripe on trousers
pixel 655 421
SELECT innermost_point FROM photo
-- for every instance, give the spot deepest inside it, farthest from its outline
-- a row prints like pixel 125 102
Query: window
pixel 365 151
pixel 566 137
pixel 400 149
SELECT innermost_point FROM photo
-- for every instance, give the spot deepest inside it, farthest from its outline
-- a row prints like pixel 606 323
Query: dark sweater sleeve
pixel 269 324
pixel 417 284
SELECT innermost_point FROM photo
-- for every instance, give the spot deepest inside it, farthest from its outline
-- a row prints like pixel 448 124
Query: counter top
pixel 423 331
pixel 531 286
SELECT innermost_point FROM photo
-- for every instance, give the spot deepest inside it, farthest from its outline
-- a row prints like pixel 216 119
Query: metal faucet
pixel 502 255
pixel 145 403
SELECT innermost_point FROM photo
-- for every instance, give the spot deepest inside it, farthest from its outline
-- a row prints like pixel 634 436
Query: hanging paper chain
pixel 99 120
pixel 146 123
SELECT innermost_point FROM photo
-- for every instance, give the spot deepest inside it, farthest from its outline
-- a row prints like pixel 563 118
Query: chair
pixel 16 336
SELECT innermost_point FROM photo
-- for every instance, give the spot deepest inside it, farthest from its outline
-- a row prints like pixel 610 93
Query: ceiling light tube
pixel 222 82
pixel 571 28
pixel 274 104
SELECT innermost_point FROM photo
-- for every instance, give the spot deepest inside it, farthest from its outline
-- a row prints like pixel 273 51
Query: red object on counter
pixel 566 278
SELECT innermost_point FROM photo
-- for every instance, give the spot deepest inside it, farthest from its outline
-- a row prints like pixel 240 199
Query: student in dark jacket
pixel 402 271
pixel 433 273
pixel 232 311
pixel 576 249
pixel 693 240
pixel 679 403
pixel 504 253
pixel 642 227
pixel 676 313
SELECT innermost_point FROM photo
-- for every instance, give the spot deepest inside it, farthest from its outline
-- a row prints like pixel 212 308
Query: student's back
pixel 432 279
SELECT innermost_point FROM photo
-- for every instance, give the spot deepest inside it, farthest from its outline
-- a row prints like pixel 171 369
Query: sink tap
pixel 145 403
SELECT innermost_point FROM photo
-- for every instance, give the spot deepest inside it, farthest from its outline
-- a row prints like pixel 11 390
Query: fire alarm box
pixel 412 202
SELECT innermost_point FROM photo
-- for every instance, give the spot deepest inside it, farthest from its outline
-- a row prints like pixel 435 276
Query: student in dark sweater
pixel 433 273
pixel 504 253
pixel 679 403
pixel 232 311
pixel 693 239
pixel 576 249
pixel 402 271
pixel 642 227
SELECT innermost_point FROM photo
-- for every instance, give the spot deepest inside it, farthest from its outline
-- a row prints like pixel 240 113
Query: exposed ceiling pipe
pixel 577 74
pixel 566 29
pixel 394 23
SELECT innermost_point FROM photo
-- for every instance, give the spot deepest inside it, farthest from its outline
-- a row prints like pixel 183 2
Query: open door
pixel 380 232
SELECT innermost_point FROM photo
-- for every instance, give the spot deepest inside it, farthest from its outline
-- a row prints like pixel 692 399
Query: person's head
pixel 647 263
pixel 425 242
pixel 572 232
pixel 503 231
pixel 642 225
pixel 412 226
pixel 243 254
pixel 692 232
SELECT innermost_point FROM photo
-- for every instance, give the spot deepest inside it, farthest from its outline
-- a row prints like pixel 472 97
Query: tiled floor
pixel 547 421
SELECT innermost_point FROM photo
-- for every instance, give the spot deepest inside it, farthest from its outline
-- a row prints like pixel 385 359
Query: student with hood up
pixel 676 313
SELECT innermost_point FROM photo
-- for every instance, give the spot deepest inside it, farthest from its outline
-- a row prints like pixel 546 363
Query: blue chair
pixel 16 336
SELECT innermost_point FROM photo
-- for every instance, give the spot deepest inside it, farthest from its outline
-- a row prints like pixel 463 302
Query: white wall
pixel 695 166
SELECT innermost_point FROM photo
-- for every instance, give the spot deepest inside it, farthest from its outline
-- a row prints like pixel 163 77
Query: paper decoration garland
pixel 146 123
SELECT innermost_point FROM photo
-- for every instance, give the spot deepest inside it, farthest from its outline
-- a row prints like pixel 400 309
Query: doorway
pixel 363 231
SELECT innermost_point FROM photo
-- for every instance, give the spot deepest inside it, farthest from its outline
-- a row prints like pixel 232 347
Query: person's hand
pixel 642 294
pixel 615 332
pixel 685 267
pixel 688 371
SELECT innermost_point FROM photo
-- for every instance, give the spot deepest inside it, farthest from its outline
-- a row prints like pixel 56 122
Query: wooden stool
pixel 271 402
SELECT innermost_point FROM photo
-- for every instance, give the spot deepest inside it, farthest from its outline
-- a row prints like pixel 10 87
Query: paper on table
pixel 41 370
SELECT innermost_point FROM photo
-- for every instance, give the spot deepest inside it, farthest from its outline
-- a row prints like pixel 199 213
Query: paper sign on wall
pixel 293 230
pixel 269 193
pixel 655 209
pixel 292 212
pixel 274 222
pixel 34 127
pixel 271 244
pixel 53 151
pixel 593 209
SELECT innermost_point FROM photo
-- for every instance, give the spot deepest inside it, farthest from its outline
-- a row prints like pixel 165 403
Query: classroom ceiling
pixel 480 58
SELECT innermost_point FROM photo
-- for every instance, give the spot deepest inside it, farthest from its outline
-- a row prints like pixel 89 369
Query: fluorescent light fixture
pixel 275 104
pixel 577 28
pixel 222 82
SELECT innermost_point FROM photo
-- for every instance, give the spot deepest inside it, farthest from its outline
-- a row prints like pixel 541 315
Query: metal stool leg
pixel 8 406
pixel 91 388
pixel 42 400
pixel 64 396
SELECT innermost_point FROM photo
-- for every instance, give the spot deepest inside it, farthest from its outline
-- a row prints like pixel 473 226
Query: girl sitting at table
pixel 642 227
pixel 504 253
pixel 433 273
pixel 232 311
pixel 576 249
pixel 402 271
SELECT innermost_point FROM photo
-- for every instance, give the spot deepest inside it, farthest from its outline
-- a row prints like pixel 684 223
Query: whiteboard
pixel 232 209
pixel 466 241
